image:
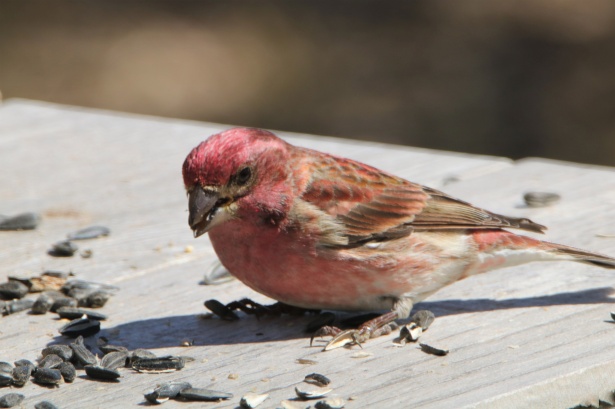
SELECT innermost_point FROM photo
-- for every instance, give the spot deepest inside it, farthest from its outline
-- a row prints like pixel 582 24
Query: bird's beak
pixel 205 210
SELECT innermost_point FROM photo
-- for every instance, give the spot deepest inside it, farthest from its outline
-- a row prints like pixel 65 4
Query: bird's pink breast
pixel 288 267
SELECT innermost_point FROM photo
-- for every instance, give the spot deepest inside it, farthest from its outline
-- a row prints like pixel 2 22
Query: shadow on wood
pixel 453 307
pixel 165 332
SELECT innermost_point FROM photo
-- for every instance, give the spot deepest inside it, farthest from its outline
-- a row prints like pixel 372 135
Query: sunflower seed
pixel 50 361
pixel 115 359
pixel 541 199
pixel 330 403
pixel 317 379
pixel 411 332
pixel 25 362
pixel 80 286
pixel 347 337
pixel 98 372
pixel 613 315
pixel 252 400
pixel 6 374
pixel 63 302
pixel 42 304
pixel 221 310
pixel 15 306
pixel 56 274
pixel 45 405
pixel 63 351
pixel 423 318
pixel 63 249
pixel 21 375
pixel 97 299
pixel 81 354
pixel 166 391
pixel 138 354
pixel 199 394
pixel 108 348
pixel 433 350
pixel 90 232
pixel 68 371
pixel 46 376
pixel 24 280
pixel 13 290
pixel 80 327
pixel 54 294
pixel 217 274
pixel 23 221
pixel 73 313
pixel 158 365
pixel 11 400
pixel 306 394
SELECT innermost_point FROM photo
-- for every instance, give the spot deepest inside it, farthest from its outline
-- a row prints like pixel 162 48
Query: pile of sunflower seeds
pixel 56 291
pixel 59 363
pixel 57 294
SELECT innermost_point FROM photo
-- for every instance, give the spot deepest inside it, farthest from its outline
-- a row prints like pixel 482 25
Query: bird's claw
pixel 325 331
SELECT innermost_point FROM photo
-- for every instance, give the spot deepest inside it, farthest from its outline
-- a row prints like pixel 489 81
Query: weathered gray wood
pixel 531 336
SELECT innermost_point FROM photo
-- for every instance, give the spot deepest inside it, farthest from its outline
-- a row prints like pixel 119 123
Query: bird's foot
pixel 381 325
pixel 250 307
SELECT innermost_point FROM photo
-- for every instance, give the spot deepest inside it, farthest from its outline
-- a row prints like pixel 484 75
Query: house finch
pixel 318 231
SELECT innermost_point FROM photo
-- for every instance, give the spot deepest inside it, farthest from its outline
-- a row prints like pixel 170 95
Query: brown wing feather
pixel 373 205
pixel 445 212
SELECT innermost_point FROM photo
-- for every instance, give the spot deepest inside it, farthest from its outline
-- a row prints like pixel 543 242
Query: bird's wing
pixel 372 205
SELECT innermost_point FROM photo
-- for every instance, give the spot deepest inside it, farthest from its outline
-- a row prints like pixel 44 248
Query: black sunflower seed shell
pixel 21 375
pixel 68 371
pixel 98 372
pixel 73 313
pixel 10 400
pixel 63 351
pixel 80 327
pixel 47 376
pixel 199 394
pixel 157 365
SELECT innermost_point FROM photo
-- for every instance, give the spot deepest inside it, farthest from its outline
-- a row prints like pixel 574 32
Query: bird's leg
pixel 373 328
pixel 381 325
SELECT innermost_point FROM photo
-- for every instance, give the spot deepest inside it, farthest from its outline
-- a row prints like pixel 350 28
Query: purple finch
pixel 318 231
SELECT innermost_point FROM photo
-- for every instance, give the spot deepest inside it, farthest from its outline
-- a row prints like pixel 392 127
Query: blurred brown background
pixel 511 78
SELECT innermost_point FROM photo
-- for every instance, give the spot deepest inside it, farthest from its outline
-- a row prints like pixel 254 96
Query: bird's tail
pixel 582 256
pixel 513 249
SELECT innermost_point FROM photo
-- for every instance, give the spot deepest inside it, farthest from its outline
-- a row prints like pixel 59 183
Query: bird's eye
pixel 243 176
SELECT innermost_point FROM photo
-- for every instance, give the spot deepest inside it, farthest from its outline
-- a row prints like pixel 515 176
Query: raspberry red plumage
pixel 319 231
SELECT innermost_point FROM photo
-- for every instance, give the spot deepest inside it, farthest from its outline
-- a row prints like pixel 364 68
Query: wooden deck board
pixel 518 336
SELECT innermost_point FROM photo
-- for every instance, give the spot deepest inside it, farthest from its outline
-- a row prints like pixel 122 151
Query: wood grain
pixel 538 335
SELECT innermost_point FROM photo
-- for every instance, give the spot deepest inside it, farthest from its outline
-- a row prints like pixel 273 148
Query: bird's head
pixel 238 173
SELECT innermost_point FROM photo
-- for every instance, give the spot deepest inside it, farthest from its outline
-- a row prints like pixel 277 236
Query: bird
pixel 318 231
